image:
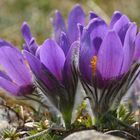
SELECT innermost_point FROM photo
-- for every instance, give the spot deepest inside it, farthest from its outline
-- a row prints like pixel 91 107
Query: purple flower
pixel 55 74
pixel 107 51
pixel 53 62
pixel 63 35
pixel 15 76
pixel 53 58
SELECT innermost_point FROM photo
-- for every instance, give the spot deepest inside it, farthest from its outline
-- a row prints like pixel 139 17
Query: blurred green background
pixel 38 13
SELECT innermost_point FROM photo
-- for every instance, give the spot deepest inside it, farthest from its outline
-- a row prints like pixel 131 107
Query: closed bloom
pixel 15 76
pixel 30 42
pixel 62 35
pixel 107 53
pixel 55 74
pixel 66 35
pixel 54 63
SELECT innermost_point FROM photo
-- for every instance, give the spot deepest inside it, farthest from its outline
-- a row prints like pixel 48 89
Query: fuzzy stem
pixel 67 114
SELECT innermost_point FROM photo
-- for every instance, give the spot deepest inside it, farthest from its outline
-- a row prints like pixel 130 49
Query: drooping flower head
pixel 107 53
pixel 15 75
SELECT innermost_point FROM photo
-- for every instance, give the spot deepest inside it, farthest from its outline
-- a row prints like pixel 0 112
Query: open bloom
pixel 15 76
pixel 106 54
pixel 107 51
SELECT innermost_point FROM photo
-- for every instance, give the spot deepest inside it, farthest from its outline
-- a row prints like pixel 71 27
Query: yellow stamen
pixel 93 64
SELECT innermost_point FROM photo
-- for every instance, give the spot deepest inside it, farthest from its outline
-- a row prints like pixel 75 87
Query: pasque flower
pixel 107 53
pixel 55 75
pixel 63 36
pixel 53 63
pixel 15 75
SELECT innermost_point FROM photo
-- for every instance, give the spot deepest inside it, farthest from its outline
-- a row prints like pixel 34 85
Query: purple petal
pixel 75 16
pixel 121 27
pixel 25 47
pixel 110 56
pixel 137 48
pixel 64 43
pixel 30 41
pixel 33 46
pixel 9 86
pixel 97 28
pixel 53 57
pixel 116 16
pixel 92 15
pixel 38 52
pixel 59 26
pixel 70 59
pixel 25 29
pixel 5 76
pixel 36 67
pixel 129 47
pixel 86 53
pixel 80 28
pixel 5 43
pixel 14 64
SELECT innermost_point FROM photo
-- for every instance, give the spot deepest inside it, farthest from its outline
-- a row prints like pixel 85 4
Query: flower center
pixel 93 64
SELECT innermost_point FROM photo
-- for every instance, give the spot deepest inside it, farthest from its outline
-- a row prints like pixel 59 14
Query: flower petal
pixel 116 16
pixel 86 53
pixel 9 86
pixel 38 52
pixel 72 57
pixel 5 43
pixel 64 43
pixel 121 27
pixel 92 15
pixel 97 28
pixel 25 47
pixel 129 47
pixel 5 76
pixel 30 41
pixel 137 48
pixel 36 67
pixel 70 76
pixel 110 56
pixel 80 28
pixel 14 64
pixel 33 45
pixel 75 16
pixel 25 29
pixel 53 57
pixel 58 25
